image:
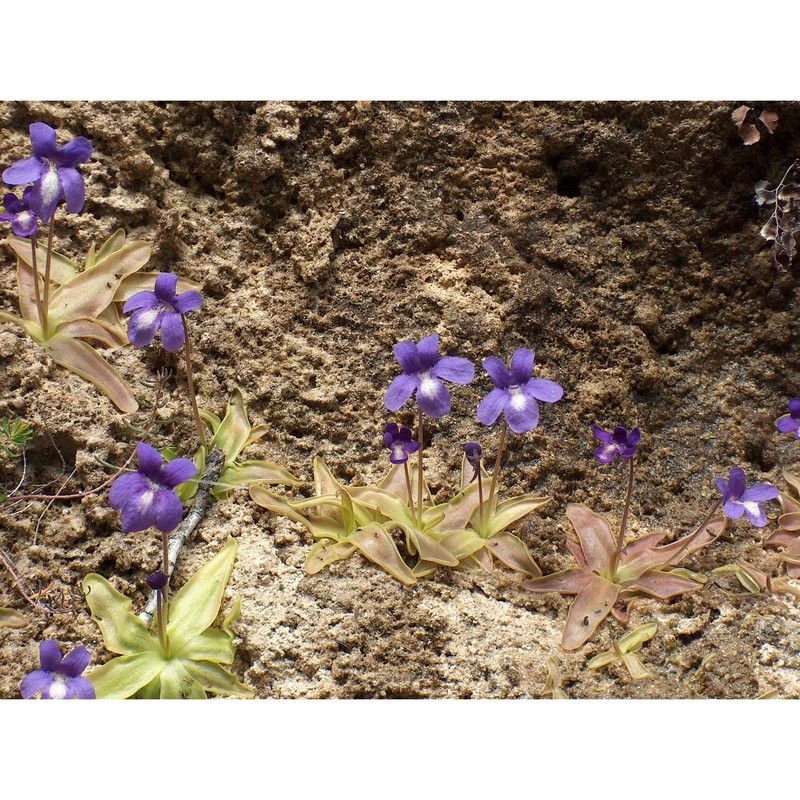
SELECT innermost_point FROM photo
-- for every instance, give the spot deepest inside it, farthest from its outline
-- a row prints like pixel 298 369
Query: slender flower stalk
pixel 47 266
pixel 496 471
pixel 190 381
pixel 421 441
pixel 37 292
pixel 473 454
pixel 624 523
pixel 158 582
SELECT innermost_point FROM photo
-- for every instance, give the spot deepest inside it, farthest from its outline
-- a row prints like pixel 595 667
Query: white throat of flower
pixel 50 186
pixel 427 385
pixel 518 400
pixel 58 688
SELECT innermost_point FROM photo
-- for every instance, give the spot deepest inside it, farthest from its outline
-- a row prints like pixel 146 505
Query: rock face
pixel 619 241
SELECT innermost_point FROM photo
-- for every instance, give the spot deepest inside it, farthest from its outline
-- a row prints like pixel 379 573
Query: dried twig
pixel 214 465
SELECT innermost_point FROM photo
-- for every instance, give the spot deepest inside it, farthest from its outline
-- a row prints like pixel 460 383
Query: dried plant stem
pixel 41 310
pixel 190 380
pixel 624 524
pixel 8 564
pixel 496 472
pixel 214 465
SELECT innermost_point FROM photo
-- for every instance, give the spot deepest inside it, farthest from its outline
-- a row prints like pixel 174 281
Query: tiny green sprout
pixel 625 651
pixel 81 305
pixel 232 434
pixel 11 619
pixel 187 662
pixel 756 581
pixel 552 683
pixel 15 436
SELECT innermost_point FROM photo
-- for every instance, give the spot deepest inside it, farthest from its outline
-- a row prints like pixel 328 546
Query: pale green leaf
pixel 123 677
pixel 217 680
pixel 123 632
pixel 325 553
pixel 513 553
pixel 178 684
pixel 62 269
pixel 377 545
pixel 632 642
pixel 637 670
pixel 196 605
pixel 11 619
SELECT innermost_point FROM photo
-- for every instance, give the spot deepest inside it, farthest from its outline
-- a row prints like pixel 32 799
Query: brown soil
pixel 617 240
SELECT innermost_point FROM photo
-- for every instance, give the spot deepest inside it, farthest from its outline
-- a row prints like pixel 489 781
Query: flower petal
pixel 138 514
pixel 27 170
pixel 78 151
pixel 599 433
pixel 407 357
pixel 521 366
pixel 188 301
pixel 492 405
pixel 172 331
pixel 75 662
pixel 150 461
pixel 755 514
pixel 80 689
pixel 736 483
pixel 794 407
pixel 454 369
pixel 166 283
pixel 46 195
pixel 38 681
pixel 433 398
pixel 787 423
pixel 760 492
pixel 43 140
pixel 733 509
pixel 178 471
pixel 606 453
pixel 498 372
pixel 50 656
pixel 73 188
pixel 400 390
pixel 522 413
pixel 428 351
pixel 168 510
pixel 143 326
pixel 125 487
pixel 544 390
pixel 143 299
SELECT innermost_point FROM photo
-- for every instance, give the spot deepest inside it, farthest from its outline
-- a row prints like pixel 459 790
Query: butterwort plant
pixel 610 573
pixel 69 309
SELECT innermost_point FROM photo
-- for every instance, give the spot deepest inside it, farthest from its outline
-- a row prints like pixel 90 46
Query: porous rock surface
pixel 619 241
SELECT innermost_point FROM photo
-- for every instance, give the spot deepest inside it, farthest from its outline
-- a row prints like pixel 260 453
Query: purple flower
pixel 157 581
pixel 788 422
pixel 18 213
pixel 473 452
pixel 737 499
pixel 620 443
pixel 423 372
pixel 146 497
pixel 399 442
pixel 516 392
pixel 52 171
pixel 59 678
pixel 161 309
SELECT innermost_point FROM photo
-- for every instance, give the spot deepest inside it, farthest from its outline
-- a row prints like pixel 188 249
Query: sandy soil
pixel 619 241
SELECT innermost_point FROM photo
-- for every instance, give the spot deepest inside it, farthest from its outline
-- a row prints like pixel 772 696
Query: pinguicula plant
pixel 612 574
pixel 187 657
pixel 64 307
pixel 348 519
